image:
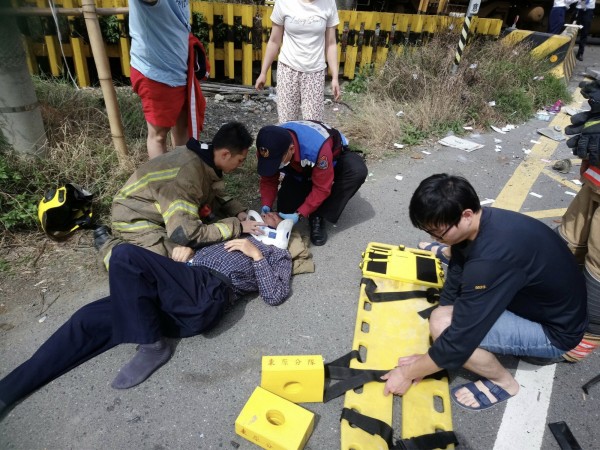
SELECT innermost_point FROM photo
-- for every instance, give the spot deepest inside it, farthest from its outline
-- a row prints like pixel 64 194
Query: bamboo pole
pixel 105 77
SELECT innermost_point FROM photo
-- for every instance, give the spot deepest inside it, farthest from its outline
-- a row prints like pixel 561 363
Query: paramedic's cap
pixel 272 143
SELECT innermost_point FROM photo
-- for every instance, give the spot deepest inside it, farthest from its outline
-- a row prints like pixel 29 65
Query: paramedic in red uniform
pixel 320 174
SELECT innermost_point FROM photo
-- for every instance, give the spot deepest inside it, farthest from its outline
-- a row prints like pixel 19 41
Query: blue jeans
pixel 514 335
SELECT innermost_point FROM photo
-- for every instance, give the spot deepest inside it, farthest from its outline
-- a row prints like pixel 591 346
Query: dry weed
pixel 376 126
pixel 494 84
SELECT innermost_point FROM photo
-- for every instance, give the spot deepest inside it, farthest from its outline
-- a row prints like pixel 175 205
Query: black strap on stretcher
pixel 350 378
pixel 440 439
pixel 590 383
pixel 431 294
pixel 353 378
pixel 340 368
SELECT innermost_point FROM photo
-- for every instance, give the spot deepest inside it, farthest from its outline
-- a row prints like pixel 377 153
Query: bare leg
pixel 481 362
pixel 157 140
pixel 485 364
pixel 179 133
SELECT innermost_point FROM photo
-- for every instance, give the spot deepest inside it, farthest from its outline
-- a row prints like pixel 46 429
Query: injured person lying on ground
pixel 152 298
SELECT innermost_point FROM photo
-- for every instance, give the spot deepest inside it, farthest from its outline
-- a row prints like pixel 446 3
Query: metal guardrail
pixel 236 35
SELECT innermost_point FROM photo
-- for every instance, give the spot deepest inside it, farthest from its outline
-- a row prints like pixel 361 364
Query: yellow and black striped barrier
pixel 557 49
pixel 236 37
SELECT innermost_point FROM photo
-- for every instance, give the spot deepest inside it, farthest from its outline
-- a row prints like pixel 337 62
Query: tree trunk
pixel 20 115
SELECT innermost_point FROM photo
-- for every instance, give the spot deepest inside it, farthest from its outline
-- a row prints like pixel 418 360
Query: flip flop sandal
pixel 484 402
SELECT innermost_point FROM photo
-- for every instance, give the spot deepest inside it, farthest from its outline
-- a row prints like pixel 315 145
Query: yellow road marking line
pixel 515 191
pixel 517 188
pixel 546 213
pixel 556 177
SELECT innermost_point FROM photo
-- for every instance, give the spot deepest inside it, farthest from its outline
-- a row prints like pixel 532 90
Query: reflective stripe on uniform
pixel 181 205
pixel 593 175
pixel 107 259
pixel 150 177
pixel 138 225
pixel 224 230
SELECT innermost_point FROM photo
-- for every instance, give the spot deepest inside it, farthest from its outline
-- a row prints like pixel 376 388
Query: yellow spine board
pixel 387 331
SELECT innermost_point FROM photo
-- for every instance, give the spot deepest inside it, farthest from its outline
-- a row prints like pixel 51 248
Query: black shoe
pixel 101 235
pixel 542 361
pixel 579 57
pixel 318 234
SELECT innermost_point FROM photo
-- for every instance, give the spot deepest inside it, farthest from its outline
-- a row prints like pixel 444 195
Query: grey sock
pixel 147 359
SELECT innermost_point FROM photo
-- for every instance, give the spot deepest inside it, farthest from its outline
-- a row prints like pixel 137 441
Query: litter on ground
pixel 571 111
pixel 533 141
pixel 487 201
pixel 563 165
pixel 462 144
pixel 570 193
pixel 399 177
pixel 551 133
pixel 577 182
pixel 396 145
pixel 426 152
pixel 535 195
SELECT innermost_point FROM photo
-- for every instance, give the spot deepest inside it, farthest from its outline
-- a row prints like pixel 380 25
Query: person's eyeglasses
pixel 439 236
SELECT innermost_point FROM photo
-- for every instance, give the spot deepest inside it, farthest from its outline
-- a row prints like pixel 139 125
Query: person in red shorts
pixel 159 33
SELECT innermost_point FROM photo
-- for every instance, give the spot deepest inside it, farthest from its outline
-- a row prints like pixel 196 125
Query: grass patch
pixel 419 82
pixel 79 151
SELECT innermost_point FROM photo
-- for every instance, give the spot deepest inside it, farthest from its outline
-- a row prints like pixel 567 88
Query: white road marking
pixel 524 419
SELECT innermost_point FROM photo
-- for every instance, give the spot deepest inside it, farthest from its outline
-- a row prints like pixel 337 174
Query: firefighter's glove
pixel 585 143
pixel 591 91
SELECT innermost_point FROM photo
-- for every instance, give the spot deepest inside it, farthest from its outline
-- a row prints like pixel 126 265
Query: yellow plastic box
pixel 275 423
pixel 297 378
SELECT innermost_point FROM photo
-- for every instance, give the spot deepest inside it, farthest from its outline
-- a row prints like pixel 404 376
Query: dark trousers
pixel 150 296
pixel 584 18
pixel 556 21
pixel 350 173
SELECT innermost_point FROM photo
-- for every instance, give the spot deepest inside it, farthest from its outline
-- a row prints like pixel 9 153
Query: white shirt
pixel 563 3
pixel 304 25
pixel 586 4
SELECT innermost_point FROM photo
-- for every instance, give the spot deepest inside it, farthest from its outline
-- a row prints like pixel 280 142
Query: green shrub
pixel 18 204
pixel 359 84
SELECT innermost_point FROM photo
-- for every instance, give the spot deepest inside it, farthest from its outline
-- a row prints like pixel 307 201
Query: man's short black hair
pixel 233 136
pixel 440 201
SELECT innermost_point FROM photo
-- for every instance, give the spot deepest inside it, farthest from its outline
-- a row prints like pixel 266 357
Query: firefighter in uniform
pixel 179 198
pixel 580 226
pixel 321 174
